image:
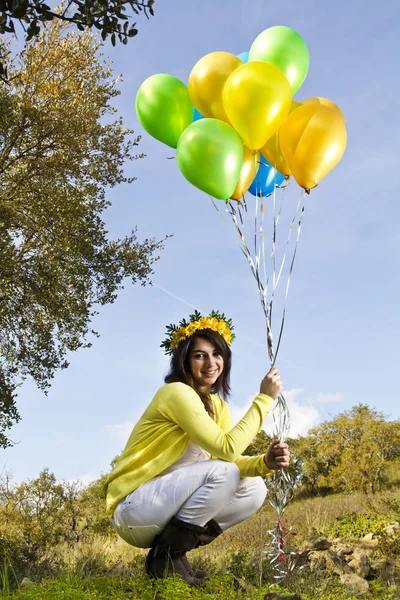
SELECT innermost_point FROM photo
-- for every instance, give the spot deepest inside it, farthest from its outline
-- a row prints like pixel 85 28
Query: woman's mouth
pixel 210 373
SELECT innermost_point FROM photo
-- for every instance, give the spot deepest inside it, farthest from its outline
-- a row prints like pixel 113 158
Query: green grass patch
pixel 108 588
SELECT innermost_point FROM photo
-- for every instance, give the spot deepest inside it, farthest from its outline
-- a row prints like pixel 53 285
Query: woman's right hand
pixel 271 385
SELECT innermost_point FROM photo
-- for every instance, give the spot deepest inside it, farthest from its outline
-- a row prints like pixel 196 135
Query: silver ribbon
pixel 280 487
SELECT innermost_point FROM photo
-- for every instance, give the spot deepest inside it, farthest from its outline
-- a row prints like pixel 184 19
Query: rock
pixel 370 539
pixel 367 550
pixel 355 585
pixel 361 554
pixel 392 529
pixel 335 563
pixel 360 565
pixel 317 560
pixel 319 543
pixel 343 549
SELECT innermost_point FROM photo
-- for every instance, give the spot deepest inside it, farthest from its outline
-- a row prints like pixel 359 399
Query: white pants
pixel 211 489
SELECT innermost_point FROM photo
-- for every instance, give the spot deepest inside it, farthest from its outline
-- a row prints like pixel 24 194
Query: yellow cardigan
pixel 175 416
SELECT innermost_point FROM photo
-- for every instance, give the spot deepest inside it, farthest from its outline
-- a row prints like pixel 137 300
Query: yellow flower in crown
pixel 215 321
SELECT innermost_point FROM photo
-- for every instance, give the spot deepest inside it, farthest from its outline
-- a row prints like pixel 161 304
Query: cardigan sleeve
pixel 249 466
pixel 180 404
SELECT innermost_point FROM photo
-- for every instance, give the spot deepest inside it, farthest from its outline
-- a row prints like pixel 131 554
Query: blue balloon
pixel 266 179
pixel 244 57
pixel 197 115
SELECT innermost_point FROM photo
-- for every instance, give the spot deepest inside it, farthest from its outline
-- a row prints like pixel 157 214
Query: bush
pixel 353 525
pixel 248 568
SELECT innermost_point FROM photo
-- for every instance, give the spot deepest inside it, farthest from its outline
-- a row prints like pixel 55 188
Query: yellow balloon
pixel 325 102
pixel 257 99
pixel 251 162
pixel 207 80
pixel 313 140
pixel 272 150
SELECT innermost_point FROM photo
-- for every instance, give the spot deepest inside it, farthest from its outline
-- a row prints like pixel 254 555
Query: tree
pixel 259 444
pixel 350 452
pixel 30 511
pixel 60 148
pixel 92 508
pixel 108 16
pixel 309 467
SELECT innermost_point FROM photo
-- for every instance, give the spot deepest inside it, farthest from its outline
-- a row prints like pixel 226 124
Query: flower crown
pixel 215 321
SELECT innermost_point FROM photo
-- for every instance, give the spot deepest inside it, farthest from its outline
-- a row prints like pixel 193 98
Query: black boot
pixel 211 531
pixel 167 549
pixel 198 573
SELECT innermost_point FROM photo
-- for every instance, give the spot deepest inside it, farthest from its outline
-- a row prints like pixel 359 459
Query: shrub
pixel 353 525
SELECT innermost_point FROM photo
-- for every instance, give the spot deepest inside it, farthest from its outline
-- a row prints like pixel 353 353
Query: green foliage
pixel 109 17
pixel 353 451
pixel 60 149
pixel 37 516
pixel 8 578
pixel 91 507
pixel 389 543
pixel 259 444
pixel 223 586
pixel 353 525
pixel 243 564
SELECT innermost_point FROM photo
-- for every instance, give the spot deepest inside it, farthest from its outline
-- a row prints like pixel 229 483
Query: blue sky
pixel 340 344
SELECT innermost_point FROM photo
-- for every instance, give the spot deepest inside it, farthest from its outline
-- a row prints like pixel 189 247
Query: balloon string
pixel 290 273
pixel 289 279
pixel 255 265
pixel 287 244
pixel 281 484
pixel 281 488
pixel 231 210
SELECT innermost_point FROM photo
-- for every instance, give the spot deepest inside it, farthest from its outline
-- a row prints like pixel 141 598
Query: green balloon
pixel 284 48
pixel 210 156
pixel 164 108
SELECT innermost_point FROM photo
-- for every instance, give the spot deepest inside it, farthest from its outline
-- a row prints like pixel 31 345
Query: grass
pixel 111 569
pixel 108 588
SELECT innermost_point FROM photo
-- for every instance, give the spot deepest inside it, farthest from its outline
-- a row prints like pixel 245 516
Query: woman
pixel 164 492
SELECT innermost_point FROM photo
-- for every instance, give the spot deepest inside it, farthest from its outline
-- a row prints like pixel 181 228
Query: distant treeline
pixel 355 451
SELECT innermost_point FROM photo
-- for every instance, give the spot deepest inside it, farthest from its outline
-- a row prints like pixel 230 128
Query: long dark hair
pixel 180 368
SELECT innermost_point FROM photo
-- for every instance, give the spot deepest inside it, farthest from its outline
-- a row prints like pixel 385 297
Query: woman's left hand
pixel 277 455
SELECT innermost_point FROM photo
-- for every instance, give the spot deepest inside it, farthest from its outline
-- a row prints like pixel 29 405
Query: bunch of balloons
pixel 235 125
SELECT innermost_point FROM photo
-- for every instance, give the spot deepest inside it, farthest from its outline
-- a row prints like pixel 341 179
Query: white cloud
pixel 328 397
pixel 87 478
pixel 120 431
pixel 84 480
pixel 303 415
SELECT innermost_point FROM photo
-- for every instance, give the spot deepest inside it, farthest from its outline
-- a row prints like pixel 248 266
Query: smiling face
pixel 206 364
